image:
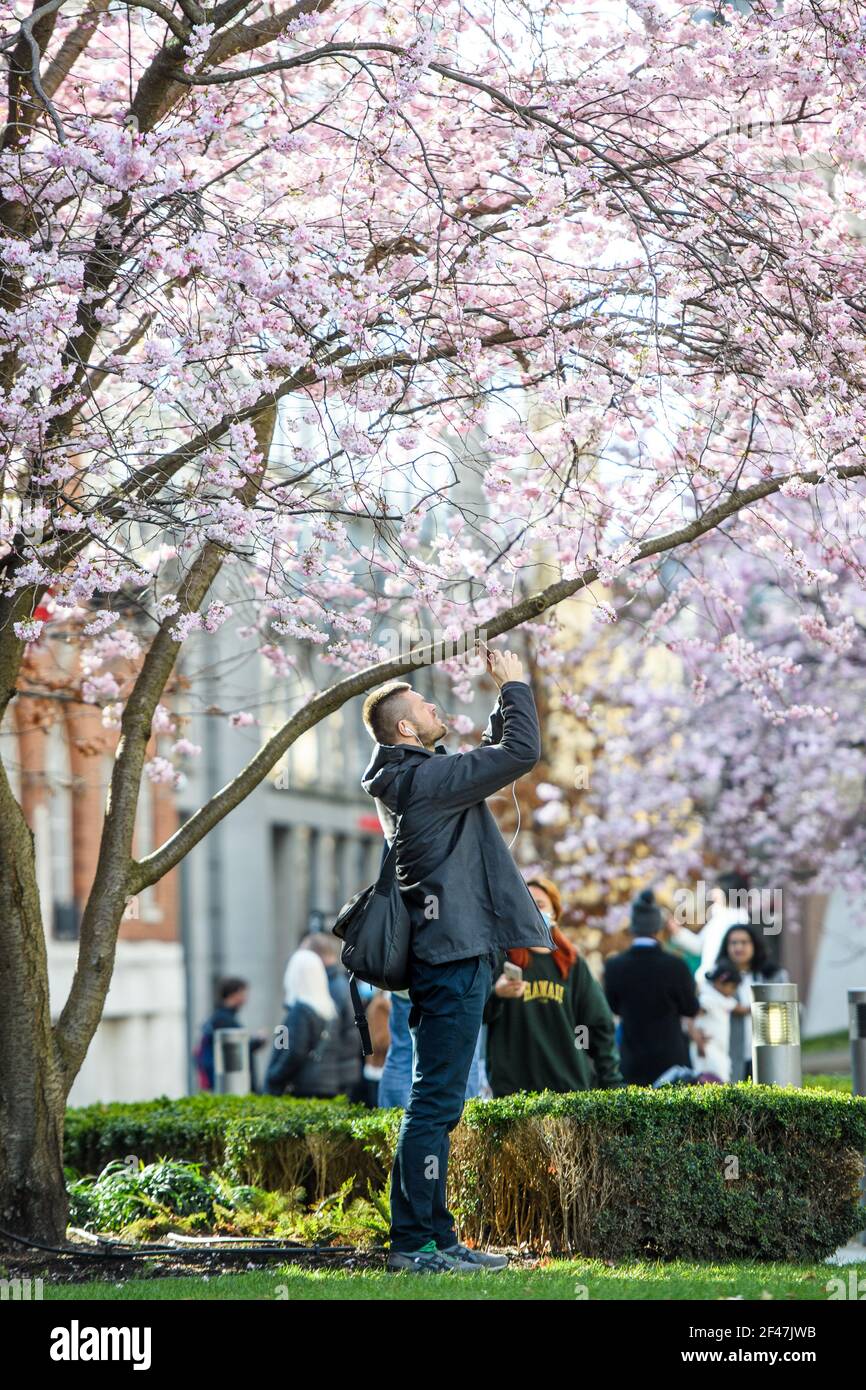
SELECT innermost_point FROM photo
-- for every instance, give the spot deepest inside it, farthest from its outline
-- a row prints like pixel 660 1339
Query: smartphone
pixel 512 971
pixel 483 651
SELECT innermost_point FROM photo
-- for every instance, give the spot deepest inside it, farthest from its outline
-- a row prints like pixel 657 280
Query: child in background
pixel 718 1000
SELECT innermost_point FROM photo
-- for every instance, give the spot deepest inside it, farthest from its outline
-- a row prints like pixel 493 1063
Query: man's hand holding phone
pixel 502 666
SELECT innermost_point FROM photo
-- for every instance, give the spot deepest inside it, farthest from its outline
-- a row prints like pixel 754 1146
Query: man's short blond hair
pixel 381 712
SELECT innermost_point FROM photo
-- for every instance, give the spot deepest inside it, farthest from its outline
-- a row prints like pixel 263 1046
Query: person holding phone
pixel 549 1027
pixel 466 900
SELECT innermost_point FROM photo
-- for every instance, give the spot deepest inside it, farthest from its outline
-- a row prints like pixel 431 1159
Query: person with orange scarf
pixel 551 1029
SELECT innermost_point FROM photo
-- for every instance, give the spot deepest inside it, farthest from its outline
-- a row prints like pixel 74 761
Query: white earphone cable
pixel 517 809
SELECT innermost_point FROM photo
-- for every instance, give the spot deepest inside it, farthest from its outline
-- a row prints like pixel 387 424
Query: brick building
pixel 58 756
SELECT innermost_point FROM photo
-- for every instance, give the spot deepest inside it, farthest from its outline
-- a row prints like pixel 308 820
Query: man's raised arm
pixel 464 779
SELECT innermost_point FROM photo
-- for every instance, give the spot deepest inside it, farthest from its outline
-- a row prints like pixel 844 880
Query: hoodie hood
pixel 384 774
pixel 385 769
pixel 382 769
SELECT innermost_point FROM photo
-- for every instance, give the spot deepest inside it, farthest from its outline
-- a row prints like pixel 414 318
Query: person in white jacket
pixel 717 997
pixel 744 948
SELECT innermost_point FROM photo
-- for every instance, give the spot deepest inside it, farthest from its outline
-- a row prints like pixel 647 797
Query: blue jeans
pixel 396 1079
pixel 444 1022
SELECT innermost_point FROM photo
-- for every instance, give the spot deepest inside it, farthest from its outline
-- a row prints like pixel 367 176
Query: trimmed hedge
pixel 703 1172
pixel 697 1172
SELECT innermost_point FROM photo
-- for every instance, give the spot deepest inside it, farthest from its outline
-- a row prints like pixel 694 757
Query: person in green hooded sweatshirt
pixel 551 1030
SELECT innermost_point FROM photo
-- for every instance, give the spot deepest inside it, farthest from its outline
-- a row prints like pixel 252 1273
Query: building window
pixel 304 758
pixel 57 828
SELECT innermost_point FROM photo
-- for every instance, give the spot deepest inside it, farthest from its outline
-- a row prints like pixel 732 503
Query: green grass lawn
pixel 827 1042
pixel 556 1279
pixel 826 1082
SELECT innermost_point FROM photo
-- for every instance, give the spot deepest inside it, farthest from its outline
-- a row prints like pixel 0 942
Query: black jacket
pixel 295 1065
pixel 342 1063
pixel 462 889
pixel 651 990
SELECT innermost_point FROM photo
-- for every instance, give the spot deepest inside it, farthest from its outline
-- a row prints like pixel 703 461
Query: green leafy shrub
pixel 343 1218
pixel 123 1194
pixel 82 1203
pixel 319 1152
pixel 192 1128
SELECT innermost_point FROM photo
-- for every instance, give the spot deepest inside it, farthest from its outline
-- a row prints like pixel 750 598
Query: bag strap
pixel 361 1023
pixel 389 863
pixel 405 788
pixel 386 878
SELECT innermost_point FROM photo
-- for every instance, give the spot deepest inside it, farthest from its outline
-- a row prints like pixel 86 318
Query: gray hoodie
pixel 462 889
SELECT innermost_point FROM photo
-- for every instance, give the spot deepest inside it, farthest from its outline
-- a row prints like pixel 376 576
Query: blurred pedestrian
pixel 726 905
pixel 378 1013
pixel 717 997
pixel 341 1071
pixel 232 994
pixel 295 1065
pixel 549 1027
pixel 742 945
pixel 651 991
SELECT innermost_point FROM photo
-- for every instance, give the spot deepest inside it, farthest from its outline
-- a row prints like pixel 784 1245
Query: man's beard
pixel 436 735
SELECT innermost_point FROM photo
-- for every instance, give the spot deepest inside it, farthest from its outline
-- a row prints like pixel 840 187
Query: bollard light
pixel 857 1034
pixel 231 1061
pixel 776 1036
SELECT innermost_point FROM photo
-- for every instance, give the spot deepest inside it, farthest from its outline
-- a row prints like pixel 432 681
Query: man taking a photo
pixel 466 901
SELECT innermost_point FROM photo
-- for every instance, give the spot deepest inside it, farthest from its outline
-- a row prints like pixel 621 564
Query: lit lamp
pixel 857 1034
pixel 231 1061
pixel 776 1036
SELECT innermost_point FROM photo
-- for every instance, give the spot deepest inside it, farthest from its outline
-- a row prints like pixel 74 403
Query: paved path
pixel 852 1253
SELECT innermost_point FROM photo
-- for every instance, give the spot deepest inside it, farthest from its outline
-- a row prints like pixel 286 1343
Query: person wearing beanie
pixel 646 918
pixel 651 991
pixel 551 1029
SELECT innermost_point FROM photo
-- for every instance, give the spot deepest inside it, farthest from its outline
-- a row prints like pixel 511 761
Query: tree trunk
pixel 32 1089
pixel 33 1201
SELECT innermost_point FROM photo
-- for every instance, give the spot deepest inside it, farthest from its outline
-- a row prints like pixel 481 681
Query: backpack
pixel 375 929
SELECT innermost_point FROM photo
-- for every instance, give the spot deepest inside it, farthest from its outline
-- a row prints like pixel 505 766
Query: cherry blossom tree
pixel 720 724
pixel 278 281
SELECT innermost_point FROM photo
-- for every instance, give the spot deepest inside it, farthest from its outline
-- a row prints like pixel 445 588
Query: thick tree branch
pixel 33 35
pixel 73 46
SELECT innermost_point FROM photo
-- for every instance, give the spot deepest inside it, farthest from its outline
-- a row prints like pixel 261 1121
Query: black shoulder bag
pixel 375 930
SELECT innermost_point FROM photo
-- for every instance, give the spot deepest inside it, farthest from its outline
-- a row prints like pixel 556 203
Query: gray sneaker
pixel 430 1262
pixel 476 1258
